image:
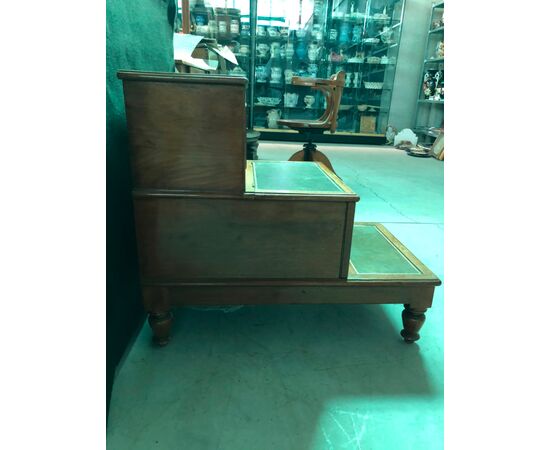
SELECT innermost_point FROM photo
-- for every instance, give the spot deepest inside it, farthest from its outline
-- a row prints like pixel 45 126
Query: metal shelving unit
pixel 361 37
pixel 430 101
pixel 345 34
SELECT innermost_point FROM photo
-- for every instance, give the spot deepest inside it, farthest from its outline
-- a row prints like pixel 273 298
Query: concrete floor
pixel 302 377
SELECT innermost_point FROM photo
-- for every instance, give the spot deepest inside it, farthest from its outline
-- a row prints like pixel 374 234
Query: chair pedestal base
pixel 304 155
pixel 310 153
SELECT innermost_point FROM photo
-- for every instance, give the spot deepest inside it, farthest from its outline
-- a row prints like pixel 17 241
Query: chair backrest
pixel 332 90
pixel 337 86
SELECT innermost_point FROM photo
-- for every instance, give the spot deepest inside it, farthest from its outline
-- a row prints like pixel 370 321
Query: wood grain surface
pixel 203 238
pixel 187 134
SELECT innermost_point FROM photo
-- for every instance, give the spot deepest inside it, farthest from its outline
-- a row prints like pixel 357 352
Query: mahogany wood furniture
pixel 215 229
pixel 332 90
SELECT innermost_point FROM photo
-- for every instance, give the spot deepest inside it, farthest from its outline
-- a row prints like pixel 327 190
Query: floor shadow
pixel 316 337
pixel 260 375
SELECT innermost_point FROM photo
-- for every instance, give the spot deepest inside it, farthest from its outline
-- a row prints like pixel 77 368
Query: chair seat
pixel 304 124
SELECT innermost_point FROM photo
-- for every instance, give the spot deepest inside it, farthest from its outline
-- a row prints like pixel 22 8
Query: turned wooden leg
pixel 413 319
pixel 161 323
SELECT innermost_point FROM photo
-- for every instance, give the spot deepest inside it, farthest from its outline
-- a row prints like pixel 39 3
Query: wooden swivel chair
pixel 332 90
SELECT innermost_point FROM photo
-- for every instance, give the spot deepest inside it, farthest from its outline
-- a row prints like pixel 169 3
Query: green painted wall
pixel 139 36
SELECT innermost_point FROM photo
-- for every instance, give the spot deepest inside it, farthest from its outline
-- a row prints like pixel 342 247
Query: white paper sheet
pixel 184 45
pixel 195 62
pixel 186 42
pixel 224 52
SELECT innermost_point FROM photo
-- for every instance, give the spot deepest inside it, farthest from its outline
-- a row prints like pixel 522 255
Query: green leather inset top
pixel 277 176
pixel 372 253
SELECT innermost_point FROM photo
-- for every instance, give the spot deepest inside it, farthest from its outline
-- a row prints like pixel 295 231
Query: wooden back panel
pixel 186 132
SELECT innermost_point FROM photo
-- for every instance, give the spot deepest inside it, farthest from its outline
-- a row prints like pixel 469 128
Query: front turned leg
pixel 161 324
pixel 413 319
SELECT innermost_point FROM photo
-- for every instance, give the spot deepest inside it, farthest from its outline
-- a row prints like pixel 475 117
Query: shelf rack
pixel 432 110
pixel 328 16
pixel 335 17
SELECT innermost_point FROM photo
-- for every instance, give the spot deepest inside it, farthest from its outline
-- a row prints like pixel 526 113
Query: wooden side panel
pixel 347 240
pixel 189 238
pixel 189 136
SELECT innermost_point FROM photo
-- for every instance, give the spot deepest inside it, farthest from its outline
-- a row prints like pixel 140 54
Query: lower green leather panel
pixel 371 252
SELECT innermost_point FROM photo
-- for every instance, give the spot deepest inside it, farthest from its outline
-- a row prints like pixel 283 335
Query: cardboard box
pixel 368 124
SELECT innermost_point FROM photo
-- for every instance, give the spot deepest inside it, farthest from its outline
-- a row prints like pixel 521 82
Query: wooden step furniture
pixel 332 90
pixel 215 229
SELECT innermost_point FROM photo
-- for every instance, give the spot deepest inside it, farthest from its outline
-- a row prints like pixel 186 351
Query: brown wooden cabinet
pixel 213 228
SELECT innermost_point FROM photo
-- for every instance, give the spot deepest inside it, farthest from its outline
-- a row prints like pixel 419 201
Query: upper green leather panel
pixel 293 176
pixel 372 253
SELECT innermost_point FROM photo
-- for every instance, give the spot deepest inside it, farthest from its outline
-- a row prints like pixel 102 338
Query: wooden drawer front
pixel 184 238
pixel 187 136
